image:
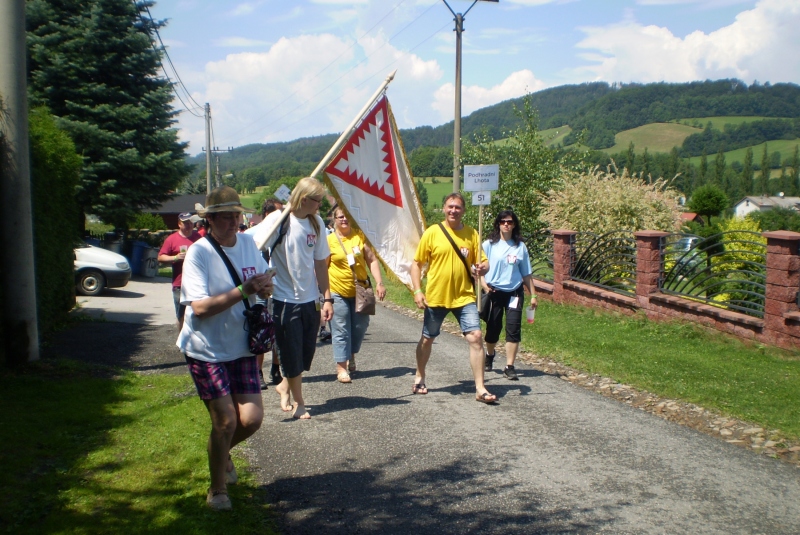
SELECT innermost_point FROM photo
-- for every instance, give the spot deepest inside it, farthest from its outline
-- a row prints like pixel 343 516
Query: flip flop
pixel 487 398
pixel 419 388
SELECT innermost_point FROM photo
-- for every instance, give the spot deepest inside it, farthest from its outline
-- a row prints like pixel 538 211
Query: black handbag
pixel 258 321
pixel 486 307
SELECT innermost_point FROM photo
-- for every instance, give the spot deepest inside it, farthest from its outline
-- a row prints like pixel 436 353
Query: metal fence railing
pixel 540 249
pixel 607 261
pixel 726 270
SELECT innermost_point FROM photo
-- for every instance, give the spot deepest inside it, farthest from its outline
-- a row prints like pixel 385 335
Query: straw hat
pixel 222 199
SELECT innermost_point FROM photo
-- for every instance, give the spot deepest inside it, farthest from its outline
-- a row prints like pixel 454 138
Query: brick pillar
pixel 563 253
pixel 783 283
pixel 649 264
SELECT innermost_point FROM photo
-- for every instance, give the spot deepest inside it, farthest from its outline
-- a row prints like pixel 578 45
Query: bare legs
pixel 233 419
pixel 293 388
pixel 511 351
pixel 474 338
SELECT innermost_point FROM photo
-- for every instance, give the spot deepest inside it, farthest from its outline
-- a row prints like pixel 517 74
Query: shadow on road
pixel 451 499
pixel 132 346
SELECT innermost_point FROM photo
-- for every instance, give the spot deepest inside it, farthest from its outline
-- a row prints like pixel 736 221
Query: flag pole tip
pixel 391 76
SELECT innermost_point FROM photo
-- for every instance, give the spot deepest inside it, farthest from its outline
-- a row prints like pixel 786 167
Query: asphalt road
pixel 550 457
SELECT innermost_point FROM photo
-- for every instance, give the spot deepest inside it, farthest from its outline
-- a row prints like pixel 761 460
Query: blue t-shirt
pixel 508 263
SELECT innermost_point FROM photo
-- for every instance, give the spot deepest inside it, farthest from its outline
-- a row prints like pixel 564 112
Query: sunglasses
pixel 341 217
pixel 506 221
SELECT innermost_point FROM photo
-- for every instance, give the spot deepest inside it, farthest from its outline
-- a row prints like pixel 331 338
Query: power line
pixel 172 85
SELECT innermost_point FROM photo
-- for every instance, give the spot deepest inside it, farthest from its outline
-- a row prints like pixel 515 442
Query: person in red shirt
pixel 173 252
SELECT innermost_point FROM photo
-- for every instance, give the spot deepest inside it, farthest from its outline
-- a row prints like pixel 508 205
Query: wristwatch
pixel 329 300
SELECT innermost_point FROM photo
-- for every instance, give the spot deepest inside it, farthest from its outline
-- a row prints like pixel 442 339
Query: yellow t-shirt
pixel 449 285
pixel 339 273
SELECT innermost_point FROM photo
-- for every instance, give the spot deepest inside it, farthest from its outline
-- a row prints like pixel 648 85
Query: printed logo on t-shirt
pixel 311 240
pixel 248 272
pixel 511 259
pixel 465 252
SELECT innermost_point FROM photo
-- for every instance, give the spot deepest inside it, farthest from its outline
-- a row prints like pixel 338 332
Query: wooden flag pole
pixel 262 239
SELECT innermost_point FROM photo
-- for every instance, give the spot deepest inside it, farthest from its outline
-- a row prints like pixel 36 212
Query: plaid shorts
pixel 218 379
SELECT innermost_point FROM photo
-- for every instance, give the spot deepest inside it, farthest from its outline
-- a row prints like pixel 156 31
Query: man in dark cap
pixel 174 251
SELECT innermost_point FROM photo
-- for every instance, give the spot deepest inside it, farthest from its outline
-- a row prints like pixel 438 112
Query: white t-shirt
pixel 221 337
pixel 294 259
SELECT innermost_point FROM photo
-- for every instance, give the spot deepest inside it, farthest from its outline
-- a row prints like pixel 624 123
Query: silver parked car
pixel 97 268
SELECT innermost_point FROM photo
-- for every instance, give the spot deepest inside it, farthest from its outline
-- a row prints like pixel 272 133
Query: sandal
pixel 344 377
pixel 419 388
pixel 218 500
pixel 487 398
pixel 351 367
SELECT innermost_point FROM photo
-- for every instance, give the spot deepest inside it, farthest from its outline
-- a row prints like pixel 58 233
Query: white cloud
pixel 756 46
pixel 475 97
pixel 304 86
pixel 239 42
pixel 245 8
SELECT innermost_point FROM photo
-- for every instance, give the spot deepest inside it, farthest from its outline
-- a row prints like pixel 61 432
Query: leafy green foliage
pixel 93 64
pixel 708 200
pixel 153 222
pixel 55 168
pixel 776 219
pixel 603 201
pixel 528 168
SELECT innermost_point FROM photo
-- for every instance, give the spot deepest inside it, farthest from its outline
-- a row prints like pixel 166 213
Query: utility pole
pixel 458 18
pixel 208 148
pixel 20 323
pixel 215 151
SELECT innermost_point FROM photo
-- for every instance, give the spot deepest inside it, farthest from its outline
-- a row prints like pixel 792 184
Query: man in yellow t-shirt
pixel 450 289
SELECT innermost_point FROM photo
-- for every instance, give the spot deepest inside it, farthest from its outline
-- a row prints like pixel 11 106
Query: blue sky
pixel 277 70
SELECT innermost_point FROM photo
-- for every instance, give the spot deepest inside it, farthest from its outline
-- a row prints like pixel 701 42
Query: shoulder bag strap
pixel 458 253
pixel 227 261
pixel 355 279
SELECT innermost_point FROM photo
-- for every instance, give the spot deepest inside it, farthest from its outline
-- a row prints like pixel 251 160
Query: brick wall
pixel 780 326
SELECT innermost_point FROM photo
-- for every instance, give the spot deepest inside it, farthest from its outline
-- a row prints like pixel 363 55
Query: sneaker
pixel 275 373
pixel 351 367
pixel 487 363
pixel 218 500
pixel 325 335
pixel 510 374
pixel 261 378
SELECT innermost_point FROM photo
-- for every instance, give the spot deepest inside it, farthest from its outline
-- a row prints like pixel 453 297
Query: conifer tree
pixel 747 172
pixel 630 159
pixel 794 167
pixel 763 177
pixel 719 168
pixel 93 64
pixel 702 175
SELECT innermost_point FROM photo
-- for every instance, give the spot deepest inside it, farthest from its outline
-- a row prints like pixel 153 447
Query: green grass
pixel 671 359
pixel 720 122
pixel 656 137
pixel 88 454
pixel 784 146
pixel 437 192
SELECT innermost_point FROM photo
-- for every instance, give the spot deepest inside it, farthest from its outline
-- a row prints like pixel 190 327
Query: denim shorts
pixel 180 309
pixel 347 327
pixel 467 317
pixel 218 379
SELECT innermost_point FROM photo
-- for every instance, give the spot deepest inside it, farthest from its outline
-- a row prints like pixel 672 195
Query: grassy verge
pixel 87 454
pixel 674 360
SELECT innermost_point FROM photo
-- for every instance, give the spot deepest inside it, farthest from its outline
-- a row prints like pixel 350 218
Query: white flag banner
pixel 370 178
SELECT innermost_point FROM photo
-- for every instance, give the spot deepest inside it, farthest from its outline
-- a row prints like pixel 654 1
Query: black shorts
pixel 296 328
pixel 500 302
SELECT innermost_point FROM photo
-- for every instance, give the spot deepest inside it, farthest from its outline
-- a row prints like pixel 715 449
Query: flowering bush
pixel 601 201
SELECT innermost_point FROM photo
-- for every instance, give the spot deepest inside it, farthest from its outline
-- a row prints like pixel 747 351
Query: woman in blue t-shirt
pixel 509 270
